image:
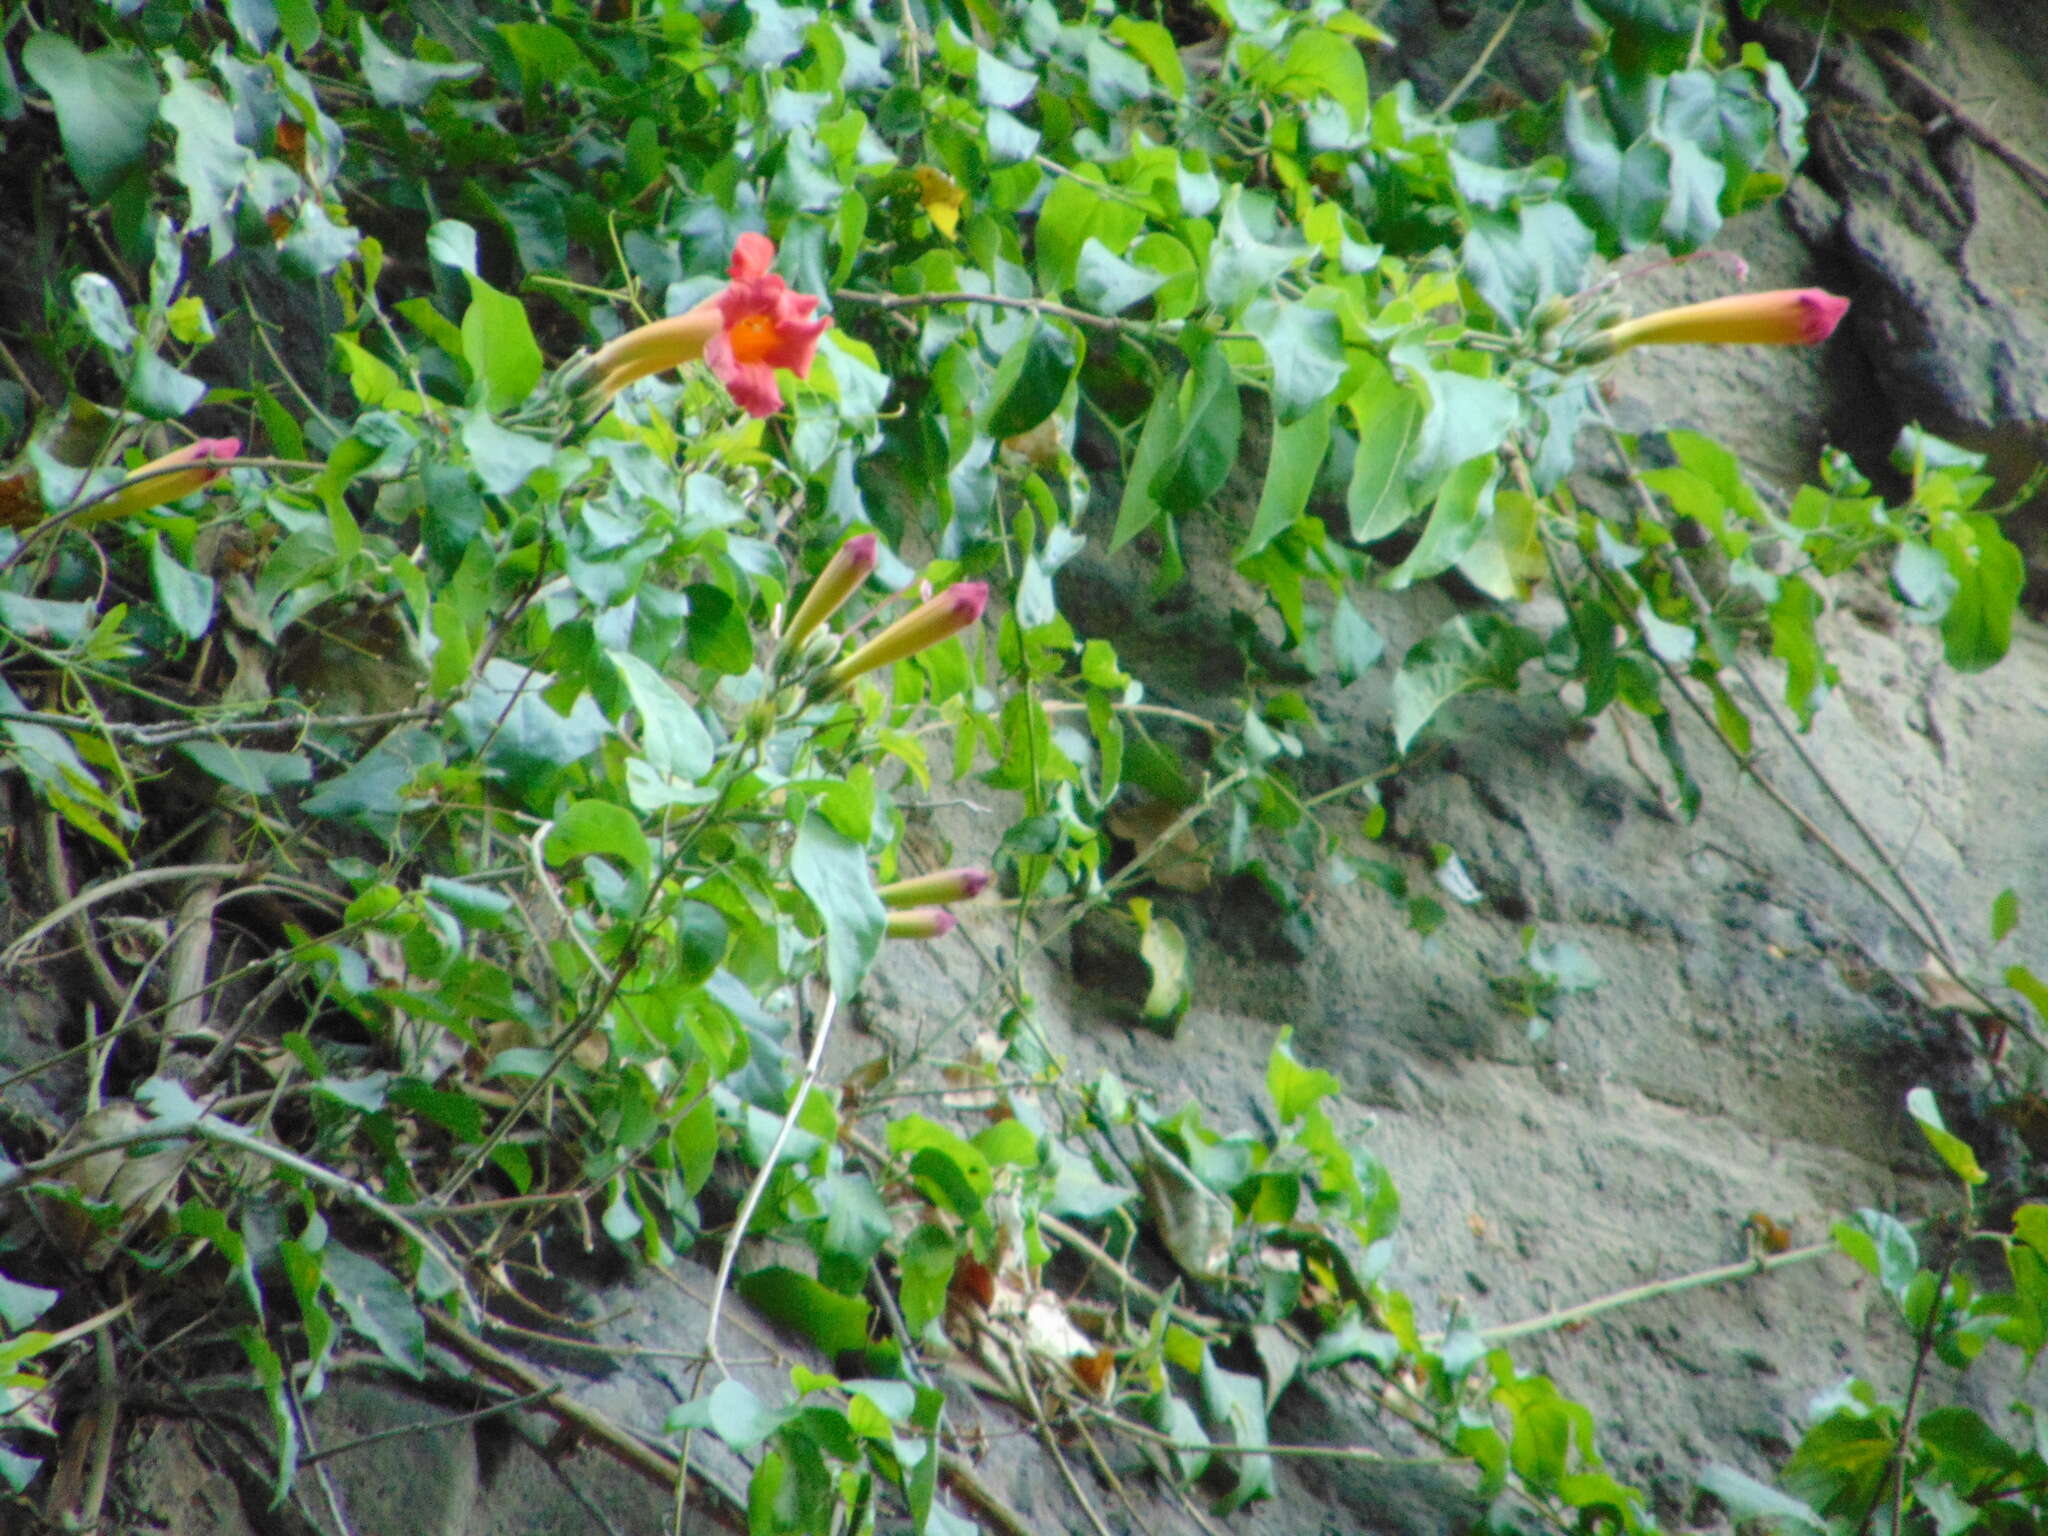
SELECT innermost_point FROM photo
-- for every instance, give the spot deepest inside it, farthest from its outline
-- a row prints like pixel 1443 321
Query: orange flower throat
pixel 753 338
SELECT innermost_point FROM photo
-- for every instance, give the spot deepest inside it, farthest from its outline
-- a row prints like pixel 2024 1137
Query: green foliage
pixel 1922 1465
pixel 484 651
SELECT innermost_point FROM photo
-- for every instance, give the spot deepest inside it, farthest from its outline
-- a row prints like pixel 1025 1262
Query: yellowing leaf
pixel 942 198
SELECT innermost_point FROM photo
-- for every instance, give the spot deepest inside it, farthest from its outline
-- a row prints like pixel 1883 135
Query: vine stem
pixel 1935 937
pixel 1584 1311
pixel 1471 76
pixel 135 879
pixel 1895 1463
pixel 212 1128
pixel 894 301
pixel 1917 921
pixel 759 1186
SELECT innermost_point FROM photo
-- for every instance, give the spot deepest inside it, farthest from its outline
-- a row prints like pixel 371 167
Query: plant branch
pixel 759 1186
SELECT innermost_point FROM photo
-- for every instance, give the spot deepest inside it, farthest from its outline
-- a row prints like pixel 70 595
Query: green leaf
pixel 397 81
pixel 498 345
pixel 1670 642
pixel 1989 571
pixel 160 391
pixel 1952 1149
pixel 588 827
pixel 1211 421
pixel 1242 267
pixel 1153 44
pixel 1468 416
pixel 732 1412
pixel 1164 949
pixel 453 243
pixel 268 1370
pixel 716 636
pixel 1469 652
pixel 105 103
pixel 955 1165
pixel 1693 216
pixel 1306 349
pixel 300 23
pixel 187 596
pixel 1000 84
pixel 21 1304
pixel 1923 579
pixel 672 737
pixel 1075 210
pixel 1722 115
pixel 1389 418
pixel 856 1220
pixel 1621 194
pixel 1235 1405
pixel 702 937
pixel 2005 914
pixel 1883 1245
pixel 1140 509
pixel 104 311
pixel 1519 261
pixel 17 1470
pixel 249 769
pixel 926 1270
pixel 1748 1499
pixel 2030 1225
pixel 832 871
pixel 1109 285
pixel 1029 382
pixel 1296 1089
pixel 209 162
pixel 503 459
pixel 1456 520
pixel 829 1320
pixel 1795 641
pixel 315 245
pixel 1355 646
pixel 1321 63
pixel 1299 448
pixel 378 1307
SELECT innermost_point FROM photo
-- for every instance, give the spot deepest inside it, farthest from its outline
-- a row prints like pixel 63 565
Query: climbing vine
pixel 512 509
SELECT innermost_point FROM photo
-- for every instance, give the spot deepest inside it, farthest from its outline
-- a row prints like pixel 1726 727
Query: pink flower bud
pixel 946 885
pixel 921 923
pixel 841 578
pixel 175 475
pixel 1785 317
pixel 924 626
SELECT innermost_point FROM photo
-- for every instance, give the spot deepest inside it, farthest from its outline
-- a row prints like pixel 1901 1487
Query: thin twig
pixel 759 1186
pixel 960 1475
pixel 1920 921
pixel 212 1128
pixel 1301 1452
pixel 118 885
pixel 1896 1462
pixel 2030 171
pixel 618 1443
pixel 1471 76
pixel 895 301
pixel 1194 1322
pixel 1565 1317
pixel 427 1426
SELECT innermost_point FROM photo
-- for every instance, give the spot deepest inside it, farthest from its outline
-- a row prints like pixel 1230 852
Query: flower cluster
pixel 917 906
pixel 752 327
pixel 935 619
